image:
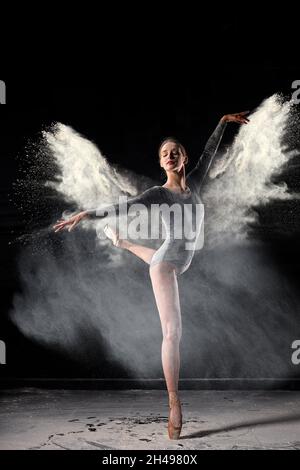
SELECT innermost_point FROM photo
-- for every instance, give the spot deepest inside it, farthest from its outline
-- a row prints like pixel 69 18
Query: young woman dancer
pixel 174 256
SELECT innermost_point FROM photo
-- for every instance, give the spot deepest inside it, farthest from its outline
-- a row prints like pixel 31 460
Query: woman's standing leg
pixel 165 288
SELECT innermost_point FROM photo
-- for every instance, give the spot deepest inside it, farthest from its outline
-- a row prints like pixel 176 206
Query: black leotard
pixel 178 251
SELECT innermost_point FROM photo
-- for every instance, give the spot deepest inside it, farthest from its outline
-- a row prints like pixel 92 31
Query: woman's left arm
pixel 199 172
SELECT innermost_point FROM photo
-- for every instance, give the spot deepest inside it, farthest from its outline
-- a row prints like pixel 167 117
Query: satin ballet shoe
pixel 112 235
pixel 174 431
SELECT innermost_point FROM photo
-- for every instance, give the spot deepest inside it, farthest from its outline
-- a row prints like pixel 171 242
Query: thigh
pixel 165 287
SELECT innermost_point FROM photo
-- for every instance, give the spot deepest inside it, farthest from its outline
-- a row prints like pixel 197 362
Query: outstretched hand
pixel 71 222
pixel 237 117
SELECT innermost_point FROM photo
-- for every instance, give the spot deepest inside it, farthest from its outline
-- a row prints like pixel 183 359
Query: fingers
pixel 60 225
pixel 64 223
pixel 243 113
pixel 57 227
pixel 73 225
pixel 240 117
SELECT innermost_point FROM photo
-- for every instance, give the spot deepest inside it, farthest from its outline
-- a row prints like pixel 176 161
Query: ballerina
pixel 174 256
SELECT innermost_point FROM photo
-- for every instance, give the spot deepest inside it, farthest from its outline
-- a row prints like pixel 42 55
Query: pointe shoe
pixel 112 235
pixel 174 431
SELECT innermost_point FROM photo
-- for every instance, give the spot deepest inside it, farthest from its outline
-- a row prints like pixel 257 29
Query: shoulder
pixel 154 189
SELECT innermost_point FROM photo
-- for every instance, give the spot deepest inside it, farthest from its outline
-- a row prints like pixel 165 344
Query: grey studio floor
pixel 33 418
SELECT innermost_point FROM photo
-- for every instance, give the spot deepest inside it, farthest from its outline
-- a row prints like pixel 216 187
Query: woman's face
pixel 171 157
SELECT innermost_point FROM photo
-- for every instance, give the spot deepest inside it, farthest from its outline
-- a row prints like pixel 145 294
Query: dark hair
pixel 171 139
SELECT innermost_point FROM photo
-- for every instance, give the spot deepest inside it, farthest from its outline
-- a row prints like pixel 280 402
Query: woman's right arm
pixel 149 196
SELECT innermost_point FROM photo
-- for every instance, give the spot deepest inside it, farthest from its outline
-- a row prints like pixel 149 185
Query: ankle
pixel 123 243
pixel 174 397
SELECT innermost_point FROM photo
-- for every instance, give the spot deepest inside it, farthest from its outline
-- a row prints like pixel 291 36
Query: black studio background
pixel 125 97
pixel 125 120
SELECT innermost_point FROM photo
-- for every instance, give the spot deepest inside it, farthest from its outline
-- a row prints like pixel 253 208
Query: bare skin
pixel 163 275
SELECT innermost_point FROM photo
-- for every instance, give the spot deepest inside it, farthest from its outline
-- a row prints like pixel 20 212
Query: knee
pixel 172 333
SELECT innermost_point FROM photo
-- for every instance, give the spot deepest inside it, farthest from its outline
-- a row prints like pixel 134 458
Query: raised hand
pixel 237 117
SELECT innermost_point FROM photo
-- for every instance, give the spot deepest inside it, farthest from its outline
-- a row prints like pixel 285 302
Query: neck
pixel 176 180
